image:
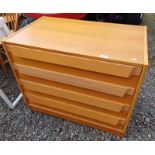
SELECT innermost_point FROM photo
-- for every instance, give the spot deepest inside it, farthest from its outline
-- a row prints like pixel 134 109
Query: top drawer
pixel 121 70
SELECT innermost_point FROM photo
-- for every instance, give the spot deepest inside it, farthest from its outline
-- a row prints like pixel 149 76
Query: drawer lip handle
pixel 114 120
pixel 101 66
pixel 64 78
pixel 106 104
pixel 74 117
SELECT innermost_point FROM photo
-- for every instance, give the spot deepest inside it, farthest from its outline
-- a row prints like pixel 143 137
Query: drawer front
pixel 76 118
pixel 109 88
pixel 75 108
pixel 100 66
pixel 95 99
pixel 90 80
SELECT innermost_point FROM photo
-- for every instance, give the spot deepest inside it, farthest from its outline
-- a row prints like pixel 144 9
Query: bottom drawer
pixel 77 119
pixel 77 108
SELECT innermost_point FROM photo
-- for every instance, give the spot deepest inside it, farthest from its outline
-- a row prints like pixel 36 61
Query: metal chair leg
pixel 8 102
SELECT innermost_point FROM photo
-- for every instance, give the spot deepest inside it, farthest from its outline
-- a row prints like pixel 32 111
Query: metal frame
pixel 4 31
pixel 8 102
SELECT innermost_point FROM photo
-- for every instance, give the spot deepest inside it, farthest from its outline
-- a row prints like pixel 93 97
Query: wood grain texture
pixel 86 72
pixel 80 95
pixel 116 69
pixel 74 107
pixel 104 87
pixel 14 72
pixel 128 82
pixel 76 118
pixel 123 43
pixel 144 71
pixel 145 68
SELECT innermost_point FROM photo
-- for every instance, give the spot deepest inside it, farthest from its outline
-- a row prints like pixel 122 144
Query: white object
pixel 103 56
pixel 8 102
pixel 5 32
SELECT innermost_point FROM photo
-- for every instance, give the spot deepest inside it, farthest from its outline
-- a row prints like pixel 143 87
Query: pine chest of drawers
pixel 86 72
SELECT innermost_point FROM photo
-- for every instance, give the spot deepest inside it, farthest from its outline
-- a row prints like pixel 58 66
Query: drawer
pixel 76 118
pixel 117 69
pixel 85 72
pixel 77 94
pixel 76 108
pixel 109 88
pixel 85 79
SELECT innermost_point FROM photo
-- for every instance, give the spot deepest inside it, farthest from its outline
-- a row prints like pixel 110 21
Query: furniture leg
pixel 3 67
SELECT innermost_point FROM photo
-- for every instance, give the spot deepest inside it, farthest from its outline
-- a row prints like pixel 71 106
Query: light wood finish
pixel 86 72
pixel 11 20
pixel 74 61
pixel 96 39
pixel 77 118
pixel 70 79
pixel 128 82
pixel 16 77
pixel 88 97
pixel 74 107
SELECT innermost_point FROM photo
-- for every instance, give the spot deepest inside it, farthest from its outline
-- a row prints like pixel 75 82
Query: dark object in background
pixel 133 18
pixel 23 20
pixel 123 18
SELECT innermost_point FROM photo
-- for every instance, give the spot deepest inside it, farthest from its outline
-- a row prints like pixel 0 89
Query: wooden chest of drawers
pixel 82 71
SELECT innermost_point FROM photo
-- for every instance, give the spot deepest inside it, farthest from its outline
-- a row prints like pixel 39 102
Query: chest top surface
pixel 111 42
